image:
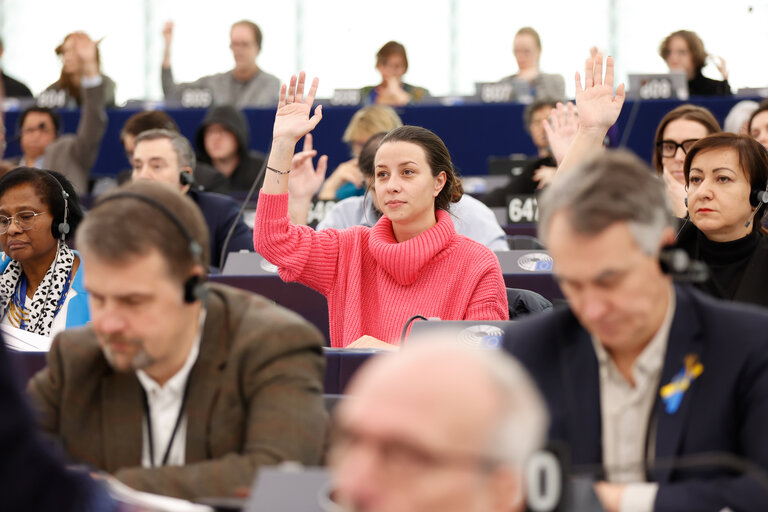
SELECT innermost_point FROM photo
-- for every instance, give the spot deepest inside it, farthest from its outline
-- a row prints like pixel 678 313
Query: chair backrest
pixel 524 302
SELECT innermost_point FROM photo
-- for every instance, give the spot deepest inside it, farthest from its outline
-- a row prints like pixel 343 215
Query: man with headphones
pixel 166 156
pixel 177 387
pixel 659 391
pixel 72 154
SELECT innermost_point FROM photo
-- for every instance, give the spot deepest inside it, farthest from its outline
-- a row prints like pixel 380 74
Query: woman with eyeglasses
pixel 676 134
pixel 41 281
pixel 725 183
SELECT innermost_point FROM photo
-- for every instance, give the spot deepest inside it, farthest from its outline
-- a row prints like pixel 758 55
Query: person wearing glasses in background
pixel 41 282
pixel 684 51
pixel 677 132
pixel 247 85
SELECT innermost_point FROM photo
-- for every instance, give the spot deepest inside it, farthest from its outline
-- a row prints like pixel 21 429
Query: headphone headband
pixel 193 289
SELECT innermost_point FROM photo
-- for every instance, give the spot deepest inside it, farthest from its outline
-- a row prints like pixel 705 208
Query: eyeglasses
pixel 25 220
pixel 668 148
pixel 400 459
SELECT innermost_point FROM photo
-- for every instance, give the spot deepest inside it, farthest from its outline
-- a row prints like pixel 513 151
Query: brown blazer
pixel 255 398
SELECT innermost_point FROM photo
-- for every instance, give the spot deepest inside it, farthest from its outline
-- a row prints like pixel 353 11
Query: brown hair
pixel 753 159
pixel 143 121
pixel 391 49
pixel 761 108
pixel 68 81
pixel 438 158
pixel 254 28
pixel 123 228
pixel 371 119
pixel 695 46
pixel 689 112
pixel 529 31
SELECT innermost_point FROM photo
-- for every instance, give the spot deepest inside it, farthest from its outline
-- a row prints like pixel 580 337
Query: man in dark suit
pixel 659 390
pixel 177 387
pixel 167 156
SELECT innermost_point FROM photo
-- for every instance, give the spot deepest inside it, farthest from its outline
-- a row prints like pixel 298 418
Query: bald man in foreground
pixel 437 428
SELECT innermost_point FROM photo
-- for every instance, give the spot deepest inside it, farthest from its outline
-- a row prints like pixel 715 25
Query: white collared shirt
pixel 164 407
pixel 626 413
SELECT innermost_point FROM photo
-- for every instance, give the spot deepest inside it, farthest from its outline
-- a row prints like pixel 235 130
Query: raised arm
pixel 598 107
pixel 299 252
pixel 305 181
pixel 292 122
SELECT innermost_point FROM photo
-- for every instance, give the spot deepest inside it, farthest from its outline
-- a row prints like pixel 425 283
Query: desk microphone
pixel 681 267
pixel 231 231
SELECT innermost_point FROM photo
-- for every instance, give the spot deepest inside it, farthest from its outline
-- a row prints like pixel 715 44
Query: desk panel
pixel 472 132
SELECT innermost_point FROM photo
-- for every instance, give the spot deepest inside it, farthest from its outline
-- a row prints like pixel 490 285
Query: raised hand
pixel 85 49
pixel 720 65
pixel 168 33
pixel 561 129
pixel 676 194
pixel 293 120
pixel 305 178
pixel 598 107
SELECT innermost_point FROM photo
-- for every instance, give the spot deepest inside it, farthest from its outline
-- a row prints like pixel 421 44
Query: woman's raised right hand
pixel 293 120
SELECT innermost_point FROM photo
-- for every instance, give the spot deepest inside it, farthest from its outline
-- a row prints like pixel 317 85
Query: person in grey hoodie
pixel 222 141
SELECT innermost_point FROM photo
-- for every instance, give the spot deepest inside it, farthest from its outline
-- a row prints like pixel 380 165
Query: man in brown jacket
pixel 177 387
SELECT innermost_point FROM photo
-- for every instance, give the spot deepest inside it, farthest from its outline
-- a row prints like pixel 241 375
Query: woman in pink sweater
pixel 412 262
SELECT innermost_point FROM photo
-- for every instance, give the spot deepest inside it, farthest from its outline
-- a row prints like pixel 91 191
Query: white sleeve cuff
pixel 638 497
pixel 94 81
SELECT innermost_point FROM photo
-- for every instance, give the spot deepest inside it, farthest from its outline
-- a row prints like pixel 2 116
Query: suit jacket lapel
pixel 204 383
pixel 580 372
pixel 122 418
pixel 683 340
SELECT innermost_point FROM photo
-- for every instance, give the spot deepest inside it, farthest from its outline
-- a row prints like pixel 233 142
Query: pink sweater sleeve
pixel 300 253
pixel 489 301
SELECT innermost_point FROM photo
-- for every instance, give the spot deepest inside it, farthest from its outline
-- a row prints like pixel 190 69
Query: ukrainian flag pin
pixel 672 393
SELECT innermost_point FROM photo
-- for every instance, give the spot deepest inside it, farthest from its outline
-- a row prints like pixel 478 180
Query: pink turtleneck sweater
pixel 373 283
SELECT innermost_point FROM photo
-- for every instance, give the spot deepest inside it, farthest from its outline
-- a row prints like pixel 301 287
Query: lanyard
pixel 175 426
pixel 21 297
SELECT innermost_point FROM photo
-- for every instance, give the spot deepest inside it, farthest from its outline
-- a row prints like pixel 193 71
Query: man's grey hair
pixel 180 144
pixel 613 186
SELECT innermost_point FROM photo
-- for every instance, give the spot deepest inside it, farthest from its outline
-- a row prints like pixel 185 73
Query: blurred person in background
pixel 684 51
pixel 392 64
pixel 527 50
pixel 67 90
pixel 246 85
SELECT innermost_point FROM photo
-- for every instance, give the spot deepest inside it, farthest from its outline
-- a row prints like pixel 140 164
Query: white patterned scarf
pixel 45 304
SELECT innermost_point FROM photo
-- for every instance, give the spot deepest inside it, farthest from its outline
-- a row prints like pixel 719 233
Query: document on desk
pixel 146 501
pixel 23 341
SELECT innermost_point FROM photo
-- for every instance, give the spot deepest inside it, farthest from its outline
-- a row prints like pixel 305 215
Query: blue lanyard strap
pixel 20 297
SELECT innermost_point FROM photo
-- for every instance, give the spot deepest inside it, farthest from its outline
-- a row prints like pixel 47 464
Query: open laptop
pixel 248 264
pixel 654 86
pixel 524 262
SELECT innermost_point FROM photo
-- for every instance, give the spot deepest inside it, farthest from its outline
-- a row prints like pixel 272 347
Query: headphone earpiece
pixel 192 289
pixel 61 230
pixel 186 178
pixel 758 197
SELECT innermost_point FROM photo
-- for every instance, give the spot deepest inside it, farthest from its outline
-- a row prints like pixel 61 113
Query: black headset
pixel 62 230
pixel 193 287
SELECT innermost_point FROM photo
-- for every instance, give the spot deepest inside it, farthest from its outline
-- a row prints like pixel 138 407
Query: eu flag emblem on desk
pixel 672 393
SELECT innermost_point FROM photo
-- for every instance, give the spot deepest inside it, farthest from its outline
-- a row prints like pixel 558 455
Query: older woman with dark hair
pixel 677 132
pixel 684 51
pixel 41 283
